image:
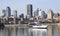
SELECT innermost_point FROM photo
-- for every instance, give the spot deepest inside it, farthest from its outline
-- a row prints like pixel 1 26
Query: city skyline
pixel 20 5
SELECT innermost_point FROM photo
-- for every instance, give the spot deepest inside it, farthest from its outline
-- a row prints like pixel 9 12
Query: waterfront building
pixel 58 18
pixel 42 14
pixel 21 16
pixel 15 13
pixel 29 11
pixel 56 15
pixel 39 13
pixel 8 12
pixel 50 14
pixel 11 19
pixel 36 12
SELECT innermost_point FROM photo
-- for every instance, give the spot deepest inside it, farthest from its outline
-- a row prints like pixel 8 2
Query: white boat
pixel 40 26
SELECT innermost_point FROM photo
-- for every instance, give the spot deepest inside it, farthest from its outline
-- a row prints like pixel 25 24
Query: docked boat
pixel 40 26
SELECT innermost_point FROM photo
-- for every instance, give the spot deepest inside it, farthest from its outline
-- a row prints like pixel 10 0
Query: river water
pixel 14 31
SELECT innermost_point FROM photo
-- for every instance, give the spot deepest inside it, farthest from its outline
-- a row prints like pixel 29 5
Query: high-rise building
pixel 8 12
pixel 39 13
pixel 36 12
pixel 29 10
pixel 42 14
pixel 50 14
pixel 21 16
pixel 56 15
pixel 15 13
pixel 4 12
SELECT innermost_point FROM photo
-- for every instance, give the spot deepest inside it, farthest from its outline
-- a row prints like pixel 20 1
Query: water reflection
pixel 39 32
pixel 10 31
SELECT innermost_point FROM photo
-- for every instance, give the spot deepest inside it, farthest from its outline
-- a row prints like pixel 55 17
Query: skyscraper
pixel 50 14
pixel 36 12
pixel 29 10
pixel 15 13
pixel 4 12
pixel 42 14
pixel 8 12
pixel 39 13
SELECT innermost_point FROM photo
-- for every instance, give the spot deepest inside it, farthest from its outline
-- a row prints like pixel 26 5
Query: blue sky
pixel 20 5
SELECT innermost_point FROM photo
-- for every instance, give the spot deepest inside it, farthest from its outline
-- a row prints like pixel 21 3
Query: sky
pixel 20 5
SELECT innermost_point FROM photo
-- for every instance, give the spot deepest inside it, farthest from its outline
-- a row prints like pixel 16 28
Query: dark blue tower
pixel 29 10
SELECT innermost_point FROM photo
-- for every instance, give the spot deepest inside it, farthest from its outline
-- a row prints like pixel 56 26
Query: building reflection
pixel 23 32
